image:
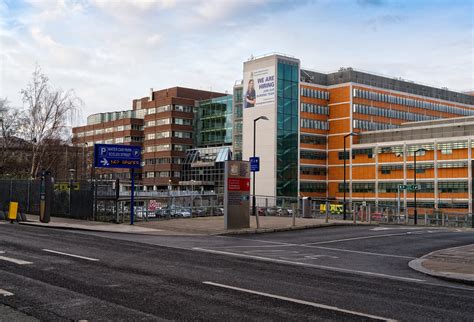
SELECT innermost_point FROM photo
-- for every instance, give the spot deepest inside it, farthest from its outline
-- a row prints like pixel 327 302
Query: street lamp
pixel 169 198
pixel 84 168
pixel 345 185
pixel 254 207
pixel 414 179
pixel 192 196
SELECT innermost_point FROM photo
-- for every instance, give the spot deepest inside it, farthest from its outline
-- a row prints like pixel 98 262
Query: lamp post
pixel 345 185
pixel 71 181
pixel 254 207
pixel 169 198
pixel 84 161
pixel 192 196
pixel 414 179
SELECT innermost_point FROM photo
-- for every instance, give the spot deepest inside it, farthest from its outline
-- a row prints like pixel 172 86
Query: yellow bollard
pixel 12 211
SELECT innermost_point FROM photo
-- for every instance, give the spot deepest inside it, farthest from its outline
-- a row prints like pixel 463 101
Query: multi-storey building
pixel 125 127
pixel 385 160
pixel 311 114
pixel 214 122
pixel 169 132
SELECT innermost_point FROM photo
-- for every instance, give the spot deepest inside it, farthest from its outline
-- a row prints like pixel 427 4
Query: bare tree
pixel 10 143
pixel 48 111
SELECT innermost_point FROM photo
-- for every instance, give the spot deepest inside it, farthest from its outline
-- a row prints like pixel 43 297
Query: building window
pixel 313 171
pixel 313 139
pixel 453 187
pixel 319 187
pixel 150 174
pixel 313 155
pixel 362 187
pixel 314 124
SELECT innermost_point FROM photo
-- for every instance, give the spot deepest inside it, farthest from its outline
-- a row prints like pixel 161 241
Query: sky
pixel 113 51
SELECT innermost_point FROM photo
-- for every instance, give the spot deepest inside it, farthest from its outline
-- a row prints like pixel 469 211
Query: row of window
pixel 313 155
pixel 410 102
pixel 395 114
pixel 314 93
pixel 162 174
pixel 313 171
pixel 166 108
pixel 126 139
pixel 313 139
pixel 168 147
pixel 174 160
pixel 173 120
pixel 373 126
pixel 313 187
pixel 167 134
pixel 315 109
pixel 314 124
pixel 110 130
pixel 392 187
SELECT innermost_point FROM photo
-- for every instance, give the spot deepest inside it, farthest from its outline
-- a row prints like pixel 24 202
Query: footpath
pixel 453 264
pixel 187 226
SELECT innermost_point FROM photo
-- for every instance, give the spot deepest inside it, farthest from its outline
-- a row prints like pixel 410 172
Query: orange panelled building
pixel 384 121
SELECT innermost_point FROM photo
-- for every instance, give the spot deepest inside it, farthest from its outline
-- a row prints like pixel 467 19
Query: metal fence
pixel 69 200
pixel 102 202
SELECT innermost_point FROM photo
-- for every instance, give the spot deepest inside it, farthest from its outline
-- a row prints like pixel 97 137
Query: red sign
pixel 238 184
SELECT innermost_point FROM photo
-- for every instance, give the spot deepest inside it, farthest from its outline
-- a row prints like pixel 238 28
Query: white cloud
pixel 154 40
pixel 113 51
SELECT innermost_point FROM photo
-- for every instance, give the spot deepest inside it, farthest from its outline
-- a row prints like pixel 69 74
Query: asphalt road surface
pixel 356 273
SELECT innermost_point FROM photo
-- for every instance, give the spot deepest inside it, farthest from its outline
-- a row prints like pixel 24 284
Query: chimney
pixel 151 94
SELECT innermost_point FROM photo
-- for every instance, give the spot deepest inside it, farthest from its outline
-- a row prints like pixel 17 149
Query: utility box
pixel 307 207
pixel 12 211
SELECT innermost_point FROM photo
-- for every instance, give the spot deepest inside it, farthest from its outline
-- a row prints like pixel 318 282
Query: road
pixel 356 273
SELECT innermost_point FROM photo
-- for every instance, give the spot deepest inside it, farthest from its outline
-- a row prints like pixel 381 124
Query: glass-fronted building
pixel 203 169
pixel 287 125
pixel 214 122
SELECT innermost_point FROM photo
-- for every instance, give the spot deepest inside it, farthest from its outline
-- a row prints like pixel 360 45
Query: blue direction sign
pixel 117 156
pixel 254 164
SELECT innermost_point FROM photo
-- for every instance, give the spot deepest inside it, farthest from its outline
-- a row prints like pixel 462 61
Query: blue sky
pixel 113 51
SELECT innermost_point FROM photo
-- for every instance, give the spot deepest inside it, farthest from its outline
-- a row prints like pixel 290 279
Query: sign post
pixel 119 156
pixel 254 164
pixel 237 195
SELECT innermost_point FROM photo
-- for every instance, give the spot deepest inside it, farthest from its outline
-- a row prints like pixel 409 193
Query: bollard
pixel 327 211
pixel 293 208
pixel 354 209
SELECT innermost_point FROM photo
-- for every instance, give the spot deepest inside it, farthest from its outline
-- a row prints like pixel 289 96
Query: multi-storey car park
pixel 382 120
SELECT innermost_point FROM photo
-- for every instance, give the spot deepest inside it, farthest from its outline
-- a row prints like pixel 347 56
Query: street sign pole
pixel 119 156
pixel 398 203
pixel 132 197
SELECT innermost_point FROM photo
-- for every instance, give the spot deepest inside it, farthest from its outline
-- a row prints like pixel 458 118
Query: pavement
pixel 188 226
pixel 335 273
pixel 455 264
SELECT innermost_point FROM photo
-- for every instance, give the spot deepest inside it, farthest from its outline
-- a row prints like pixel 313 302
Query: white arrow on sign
pixel 104 162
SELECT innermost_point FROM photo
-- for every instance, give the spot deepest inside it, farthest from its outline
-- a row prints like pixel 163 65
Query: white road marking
pixel 289 299
pixel 5 293
pixel 357 238
pixel 329 268
pixel 14 260
pixel 361 252
pixel 72 255
pixel 2 252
